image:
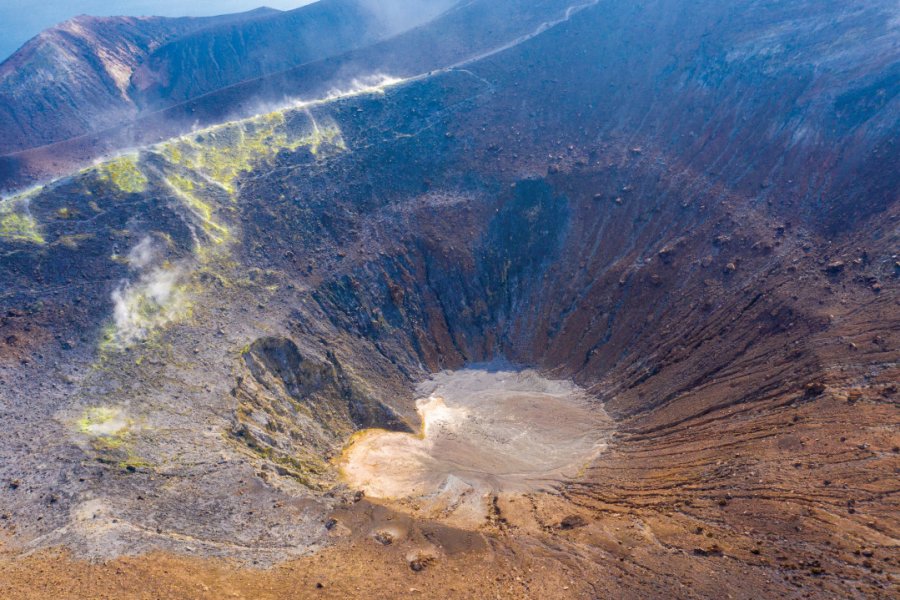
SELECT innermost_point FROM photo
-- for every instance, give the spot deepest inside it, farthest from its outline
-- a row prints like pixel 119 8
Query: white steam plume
pixel 154 300
pixel 401 15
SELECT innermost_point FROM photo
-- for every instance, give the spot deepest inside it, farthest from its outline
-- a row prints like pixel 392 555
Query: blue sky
pixel 20 20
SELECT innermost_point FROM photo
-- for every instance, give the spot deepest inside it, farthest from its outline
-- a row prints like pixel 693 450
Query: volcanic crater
pixel 589 316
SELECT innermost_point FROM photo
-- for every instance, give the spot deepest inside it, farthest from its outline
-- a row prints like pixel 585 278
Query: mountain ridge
pixel 431 46
pixel 92 73
pixel 74 77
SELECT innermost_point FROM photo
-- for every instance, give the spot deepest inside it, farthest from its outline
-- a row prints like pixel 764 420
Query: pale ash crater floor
pixel 484 433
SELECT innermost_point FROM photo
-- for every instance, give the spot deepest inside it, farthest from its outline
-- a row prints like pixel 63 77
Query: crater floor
pixel 484 432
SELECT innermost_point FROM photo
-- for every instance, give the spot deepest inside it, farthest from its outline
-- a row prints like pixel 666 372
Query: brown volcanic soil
pixel 793 494
pixel 790 494
pixel 90 78
pixel 637 527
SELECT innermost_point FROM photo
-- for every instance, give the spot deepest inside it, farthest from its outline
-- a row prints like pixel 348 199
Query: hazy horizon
pixel 20 21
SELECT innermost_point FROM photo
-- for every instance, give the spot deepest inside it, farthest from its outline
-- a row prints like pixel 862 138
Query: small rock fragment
pixel 385 538
pixel 835 266
pixel 572 522
pixel 815 388
pixel 420 561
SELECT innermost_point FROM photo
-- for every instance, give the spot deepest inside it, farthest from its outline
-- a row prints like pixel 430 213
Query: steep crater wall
pixel 298 412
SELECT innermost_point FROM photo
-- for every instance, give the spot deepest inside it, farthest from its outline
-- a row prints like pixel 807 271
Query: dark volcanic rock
pixel 298 412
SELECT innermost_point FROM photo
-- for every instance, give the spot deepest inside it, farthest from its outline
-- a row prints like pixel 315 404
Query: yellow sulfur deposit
pixel 124 173
pixel 16 222
pixel 221 153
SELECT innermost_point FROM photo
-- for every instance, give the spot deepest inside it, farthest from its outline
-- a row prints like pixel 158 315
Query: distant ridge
pixel 92 73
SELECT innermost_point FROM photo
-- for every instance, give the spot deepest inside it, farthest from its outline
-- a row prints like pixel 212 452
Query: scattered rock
pixel 421 561
pixel 572 522
pixel 815 388
pixel 713 550
pixel 835 267
pixel 385 538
